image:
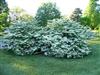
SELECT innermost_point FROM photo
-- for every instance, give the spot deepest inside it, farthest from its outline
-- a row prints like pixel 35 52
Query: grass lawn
pixel 41 65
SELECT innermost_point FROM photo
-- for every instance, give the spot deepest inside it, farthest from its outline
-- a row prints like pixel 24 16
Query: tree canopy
pixel 92 14
pixel 76 15
pixel 47 11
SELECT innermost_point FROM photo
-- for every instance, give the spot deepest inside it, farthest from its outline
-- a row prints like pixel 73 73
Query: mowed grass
pixel 41 65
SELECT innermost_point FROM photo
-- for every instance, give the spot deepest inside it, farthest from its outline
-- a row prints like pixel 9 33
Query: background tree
pixel 85 21
pixel 3 14
pixel 76 15
pixel 18 13
pixel 92 14
pixel 47 11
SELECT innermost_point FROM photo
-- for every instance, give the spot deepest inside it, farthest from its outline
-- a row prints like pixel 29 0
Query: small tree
pixel 76 15
pixel 47 11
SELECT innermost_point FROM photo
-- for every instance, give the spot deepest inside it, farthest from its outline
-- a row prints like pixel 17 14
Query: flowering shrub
pixel 64 38
pixel 20 38
pixel 63 24
pixel 61 38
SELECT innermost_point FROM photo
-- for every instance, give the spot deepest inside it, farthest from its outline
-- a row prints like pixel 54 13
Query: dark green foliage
pixel 3 14
pixel 3 6
pixel 47 11
pixel 85 21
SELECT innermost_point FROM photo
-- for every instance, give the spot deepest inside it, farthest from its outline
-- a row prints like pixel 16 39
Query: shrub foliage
pixel 61 38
